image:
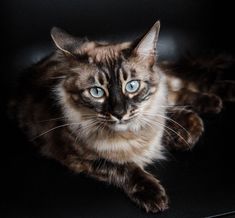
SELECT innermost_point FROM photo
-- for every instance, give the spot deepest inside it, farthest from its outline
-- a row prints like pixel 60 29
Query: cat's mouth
pixel 124 121
pixel 121 125
pixel 117 124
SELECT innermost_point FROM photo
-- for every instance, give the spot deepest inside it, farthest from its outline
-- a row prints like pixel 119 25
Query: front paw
pixel 195 127
pixel 149 194
pixel 186 126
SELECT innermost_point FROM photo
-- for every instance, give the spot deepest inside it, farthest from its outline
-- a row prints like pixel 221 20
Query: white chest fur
pixel 143 146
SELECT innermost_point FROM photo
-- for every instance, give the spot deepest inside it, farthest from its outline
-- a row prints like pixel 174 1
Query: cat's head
pixel 109 85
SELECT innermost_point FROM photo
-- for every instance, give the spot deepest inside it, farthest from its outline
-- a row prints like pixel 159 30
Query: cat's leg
pixel 184 128
pixel 141 187
pixel 199 102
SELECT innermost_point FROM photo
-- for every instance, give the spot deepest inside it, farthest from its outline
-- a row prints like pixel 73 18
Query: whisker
pixel 57 118
pixel 164 126
pixel 57 127
pixel 170 119
pixel 175 133
pixel 90 124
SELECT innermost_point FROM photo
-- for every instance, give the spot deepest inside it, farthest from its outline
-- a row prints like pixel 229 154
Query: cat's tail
pixel 214 74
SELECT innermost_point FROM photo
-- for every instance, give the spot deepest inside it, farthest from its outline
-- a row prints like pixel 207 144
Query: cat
pixel 110 109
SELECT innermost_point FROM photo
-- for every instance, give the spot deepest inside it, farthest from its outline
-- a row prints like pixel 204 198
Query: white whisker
pixel 57 127
pixel 57 118
pixel 170 119
pixel 154 122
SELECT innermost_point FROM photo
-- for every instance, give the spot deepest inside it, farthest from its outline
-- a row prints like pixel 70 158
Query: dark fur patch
pixel 101 80
pixel 125 75
pixel 187 127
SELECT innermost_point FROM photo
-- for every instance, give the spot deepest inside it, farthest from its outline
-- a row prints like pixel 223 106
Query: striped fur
pixel 113 137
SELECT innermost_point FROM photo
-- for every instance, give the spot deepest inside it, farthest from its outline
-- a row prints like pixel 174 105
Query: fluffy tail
pixel 213 74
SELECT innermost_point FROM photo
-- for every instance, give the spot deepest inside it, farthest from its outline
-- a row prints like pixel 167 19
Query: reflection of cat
pixel 108 110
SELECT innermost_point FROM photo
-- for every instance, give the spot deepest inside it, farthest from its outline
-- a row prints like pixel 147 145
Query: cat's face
pixel 109 89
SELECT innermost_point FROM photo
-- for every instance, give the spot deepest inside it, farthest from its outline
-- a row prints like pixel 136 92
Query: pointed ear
pixel 146 48
pixel 65 42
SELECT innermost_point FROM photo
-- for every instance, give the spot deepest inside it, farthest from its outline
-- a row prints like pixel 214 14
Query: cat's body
pixel 102 109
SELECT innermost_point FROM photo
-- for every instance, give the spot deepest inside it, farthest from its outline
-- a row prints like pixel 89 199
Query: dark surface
pixel 200 183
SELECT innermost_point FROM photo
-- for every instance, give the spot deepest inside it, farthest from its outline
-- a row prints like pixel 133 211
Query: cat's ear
pixel 66 42
pixel 146 48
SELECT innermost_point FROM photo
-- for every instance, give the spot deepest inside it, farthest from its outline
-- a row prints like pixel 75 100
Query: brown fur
pixel 54 97
pixel 205 82
pixel 188 126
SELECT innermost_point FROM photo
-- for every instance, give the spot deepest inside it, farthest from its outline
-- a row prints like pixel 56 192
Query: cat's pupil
pixel 97 92
pixel 132 86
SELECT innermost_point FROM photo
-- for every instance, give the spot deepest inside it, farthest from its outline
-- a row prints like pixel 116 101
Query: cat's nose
pixel 117 106
pixel 118 113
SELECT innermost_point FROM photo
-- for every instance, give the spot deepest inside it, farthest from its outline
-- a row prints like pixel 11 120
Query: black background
pixel 200 183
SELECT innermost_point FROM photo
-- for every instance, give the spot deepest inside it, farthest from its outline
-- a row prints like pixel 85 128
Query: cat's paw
pixel 187 127
pixel 149 194
pixel 209 103
pixel 194 126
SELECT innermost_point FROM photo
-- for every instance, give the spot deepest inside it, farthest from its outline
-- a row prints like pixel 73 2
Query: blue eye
pixel 132 86
pixel 96 92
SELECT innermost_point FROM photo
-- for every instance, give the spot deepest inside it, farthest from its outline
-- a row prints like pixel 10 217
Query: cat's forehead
pixel 102 53
pixel 109 60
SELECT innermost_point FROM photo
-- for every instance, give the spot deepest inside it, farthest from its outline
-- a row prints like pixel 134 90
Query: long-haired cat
pixel 108 110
